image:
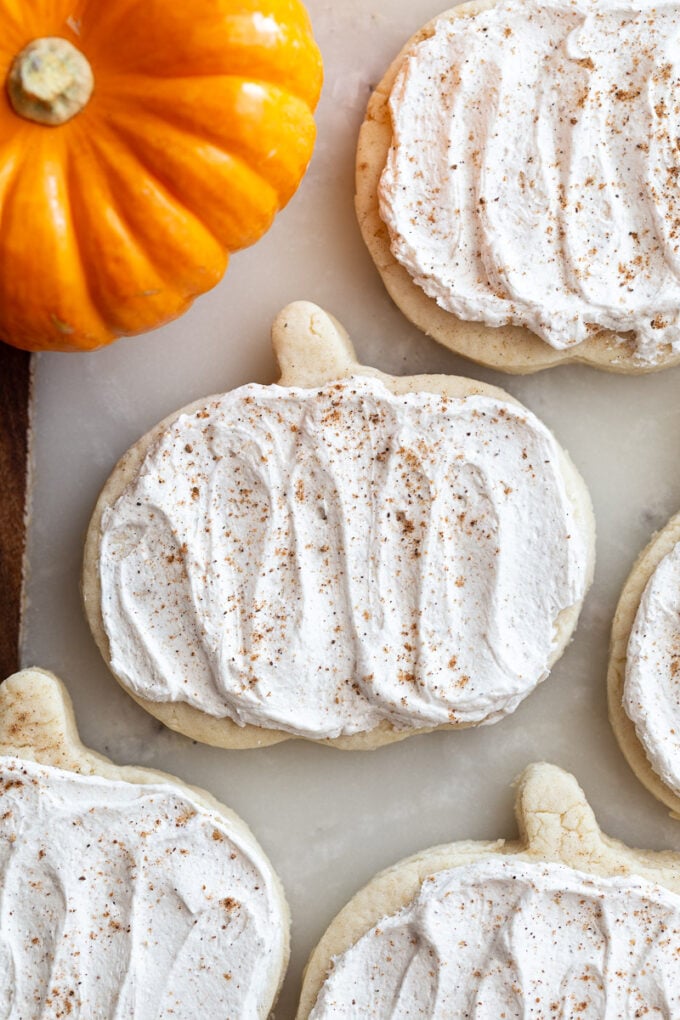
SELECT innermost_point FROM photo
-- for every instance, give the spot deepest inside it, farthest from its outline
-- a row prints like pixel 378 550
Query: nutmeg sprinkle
pixel 533 177
pixel 509 938
pixel 116 901
pixel 352 556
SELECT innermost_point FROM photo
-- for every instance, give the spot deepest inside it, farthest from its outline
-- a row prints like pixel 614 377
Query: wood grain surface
pixel 15 379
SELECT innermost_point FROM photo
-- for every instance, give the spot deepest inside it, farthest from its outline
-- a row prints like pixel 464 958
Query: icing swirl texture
pixel 129 900
pixel 319 561
pixel 508 938
pixel 651 692
pixel 534 173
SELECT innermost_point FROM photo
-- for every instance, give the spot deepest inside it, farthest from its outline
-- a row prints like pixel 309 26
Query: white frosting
pixel 318 561
pixel 507 938
pixel 534 176
pixel 121 900
pixel 651 693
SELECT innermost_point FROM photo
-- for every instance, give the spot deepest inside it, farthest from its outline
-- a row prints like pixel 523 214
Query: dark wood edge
pixel 15 389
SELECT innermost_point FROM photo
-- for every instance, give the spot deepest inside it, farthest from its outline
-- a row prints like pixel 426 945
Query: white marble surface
pixel 330 820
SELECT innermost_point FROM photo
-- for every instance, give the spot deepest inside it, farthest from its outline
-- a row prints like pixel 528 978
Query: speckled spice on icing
pixel 534 175
pixel 321 560
pixel 509 938
pixel 127 900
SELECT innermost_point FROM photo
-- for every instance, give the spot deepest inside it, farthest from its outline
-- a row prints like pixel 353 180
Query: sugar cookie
pixel 348 556
pixel 564 921
pixel 517 169
pixel 124 891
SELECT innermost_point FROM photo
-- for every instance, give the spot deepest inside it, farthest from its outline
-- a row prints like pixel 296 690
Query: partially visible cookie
pixel 564 921
pixel 644 667
pixel 124 891
pixel 518 201
pixel 347 557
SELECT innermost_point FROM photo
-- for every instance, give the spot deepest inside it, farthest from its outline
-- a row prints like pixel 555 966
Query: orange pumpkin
pixel 141 141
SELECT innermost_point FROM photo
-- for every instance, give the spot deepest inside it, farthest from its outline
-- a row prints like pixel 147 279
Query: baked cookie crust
pixel 312 348
pixel 556 824
pixel 37 724
pixel 661 544
pixel 512 349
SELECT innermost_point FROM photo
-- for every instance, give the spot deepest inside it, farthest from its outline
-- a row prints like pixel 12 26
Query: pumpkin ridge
pixel 112 318
pixel 142 240
pixel 281 175
pixel 111 17
pixel 61 335
pixel 75 222
pixel 164 182
pixel 292 62
pixel 162 106
pixel 92 341
pixel 136 92
pixel 266 211
pixel 6 197
pixel 10 166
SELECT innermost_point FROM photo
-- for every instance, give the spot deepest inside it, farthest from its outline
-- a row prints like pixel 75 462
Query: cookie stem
pixel 311 346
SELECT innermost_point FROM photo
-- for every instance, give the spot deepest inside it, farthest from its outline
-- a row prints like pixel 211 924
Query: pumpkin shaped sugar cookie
pixel 142 143
pixel 124 891
pixel 644 667
pixel 564 921
pixel 347 556
pixel 517 183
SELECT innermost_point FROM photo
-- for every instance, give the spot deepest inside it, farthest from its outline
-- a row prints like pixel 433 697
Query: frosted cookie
pixel 563 922
pixel 644 667
pixel 517 169
pixel 347 556
pixel 124 892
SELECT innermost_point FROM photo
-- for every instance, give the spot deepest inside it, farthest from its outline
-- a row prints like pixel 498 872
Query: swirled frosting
pixel 127 900
pixel 534 174
pixel 318 561
pixel 651 692
pixel 507 938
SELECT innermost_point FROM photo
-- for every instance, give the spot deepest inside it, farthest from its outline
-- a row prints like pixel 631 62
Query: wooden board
pixel 14 405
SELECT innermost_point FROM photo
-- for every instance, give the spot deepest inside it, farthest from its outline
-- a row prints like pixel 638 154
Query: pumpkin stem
pixel 50 81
